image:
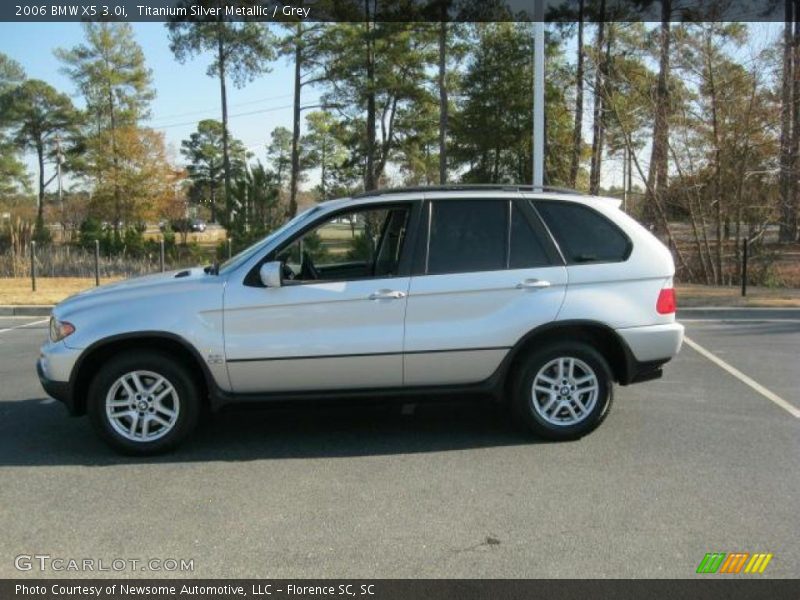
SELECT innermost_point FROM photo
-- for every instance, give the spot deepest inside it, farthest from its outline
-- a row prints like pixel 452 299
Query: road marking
pixel 24 325
pixel 773 397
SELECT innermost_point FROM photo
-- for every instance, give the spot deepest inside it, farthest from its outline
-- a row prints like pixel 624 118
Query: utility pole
pixel 538 95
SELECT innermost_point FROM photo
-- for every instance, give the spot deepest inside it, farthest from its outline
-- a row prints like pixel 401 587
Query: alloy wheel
pixel 564 391
pixel 142 406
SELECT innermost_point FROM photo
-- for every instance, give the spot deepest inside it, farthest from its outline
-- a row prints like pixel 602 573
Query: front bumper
pixel 60 390
pixel 54 368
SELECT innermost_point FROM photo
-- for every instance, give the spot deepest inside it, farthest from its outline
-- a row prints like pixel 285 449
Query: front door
pixel 337 320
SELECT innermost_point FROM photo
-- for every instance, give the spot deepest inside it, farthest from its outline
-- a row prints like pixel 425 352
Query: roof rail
pixel 467 187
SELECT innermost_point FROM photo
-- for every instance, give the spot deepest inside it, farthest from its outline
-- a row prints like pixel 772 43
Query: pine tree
pixel 110 71
pixel 204 151
pixel 242 50
pixel 41 114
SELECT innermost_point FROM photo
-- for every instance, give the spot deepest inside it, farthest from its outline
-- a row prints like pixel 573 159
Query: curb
pixel 732 312
pixel 26 311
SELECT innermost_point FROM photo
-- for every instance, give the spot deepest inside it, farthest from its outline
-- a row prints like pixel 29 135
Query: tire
pixel 160 414
pixel 568 408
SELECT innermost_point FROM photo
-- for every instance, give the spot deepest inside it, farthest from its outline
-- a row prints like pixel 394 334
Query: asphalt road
pixel 695 462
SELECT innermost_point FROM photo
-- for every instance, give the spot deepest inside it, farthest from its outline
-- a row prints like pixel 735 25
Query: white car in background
pixel 541 299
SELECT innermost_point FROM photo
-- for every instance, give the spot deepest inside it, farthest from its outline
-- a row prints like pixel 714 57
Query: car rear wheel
pixel 143 403
pixel 563 391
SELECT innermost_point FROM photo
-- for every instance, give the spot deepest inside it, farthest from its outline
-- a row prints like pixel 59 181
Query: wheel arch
pixel 93 358
pixel 599 335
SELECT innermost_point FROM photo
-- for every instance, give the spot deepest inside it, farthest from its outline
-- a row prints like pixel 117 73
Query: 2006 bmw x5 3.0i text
pixel 541 299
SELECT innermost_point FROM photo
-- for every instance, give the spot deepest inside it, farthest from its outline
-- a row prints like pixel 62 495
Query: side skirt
pixel 491 387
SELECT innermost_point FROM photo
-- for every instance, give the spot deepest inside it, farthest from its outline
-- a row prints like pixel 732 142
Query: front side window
pixel 355 245
pixel 242 257
pixel 583 234
pixel 467 235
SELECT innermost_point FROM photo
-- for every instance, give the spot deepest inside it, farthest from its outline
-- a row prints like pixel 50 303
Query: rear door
pixel 485 274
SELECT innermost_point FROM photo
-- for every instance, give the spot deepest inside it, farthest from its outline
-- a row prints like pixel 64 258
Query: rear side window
pixel 584 235
pixel 467 235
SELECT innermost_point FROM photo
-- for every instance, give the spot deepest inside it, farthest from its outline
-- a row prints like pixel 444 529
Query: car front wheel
pixel 563 391
pixel 143 403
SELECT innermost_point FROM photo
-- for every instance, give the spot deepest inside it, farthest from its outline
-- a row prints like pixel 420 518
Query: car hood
pixel 149 286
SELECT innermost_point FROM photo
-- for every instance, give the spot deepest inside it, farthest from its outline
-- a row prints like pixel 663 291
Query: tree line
pixel 702 119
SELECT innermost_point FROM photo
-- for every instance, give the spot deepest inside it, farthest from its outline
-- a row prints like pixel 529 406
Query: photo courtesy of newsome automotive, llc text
pixel 398 299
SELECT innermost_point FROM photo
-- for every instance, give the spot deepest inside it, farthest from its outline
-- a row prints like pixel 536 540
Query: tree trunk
pixel 40 206
pixel 115 160
pixel 545 172
pixel 794 173
pixel 443 96
pixel 657 174
pixel 577 133
pixel 718 212
pixel 226 159
pixel 298 62
pixel 213 203
pixel 369 179
pixel 787 201
pixel 323 165
pixel 597 117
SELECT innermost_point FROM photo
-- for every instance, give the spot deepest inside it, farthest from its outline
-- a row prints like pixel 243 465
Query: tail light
pixel 666 303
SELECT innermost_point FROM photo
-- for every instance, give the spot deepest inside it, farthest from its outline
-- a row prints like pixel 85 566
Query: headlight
pixel 60 329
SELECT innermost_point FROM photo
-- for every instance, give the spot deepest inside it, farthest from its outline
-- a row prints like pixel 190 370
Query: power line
pixel 245 114
pixel 216 109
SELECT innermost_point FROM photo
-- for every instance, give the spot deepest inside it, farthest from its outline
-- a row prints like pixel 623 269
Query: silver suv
pixel 542 299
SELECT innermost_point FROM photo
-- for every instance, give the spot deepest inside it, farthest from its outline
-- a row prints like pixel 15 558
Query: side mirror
pixel 270 274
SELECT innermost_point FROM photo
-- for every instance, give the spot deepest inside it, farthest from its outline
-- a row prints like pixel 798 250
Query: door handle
pixel 387 295
pixel 533 284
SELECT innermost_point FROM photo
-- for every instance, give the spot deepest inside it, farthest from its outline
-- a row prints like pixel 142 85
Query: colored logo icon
pixel 734 562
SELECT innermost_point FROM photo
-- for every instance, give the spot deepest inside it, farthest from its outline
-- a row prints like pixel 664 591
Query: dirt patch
pixel 690 295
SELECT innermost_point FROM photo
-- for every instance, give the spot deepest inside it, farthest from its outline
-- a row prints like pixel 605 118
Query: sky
pixel 184 93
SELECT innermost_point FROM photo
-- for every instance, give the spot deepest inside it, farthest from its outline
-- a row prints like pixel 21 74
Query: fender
pixel 623 371
pixel 77 380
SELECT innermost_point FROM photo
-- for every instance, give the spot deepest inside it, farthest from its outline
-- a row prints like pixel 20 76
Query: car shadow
pixel 38 432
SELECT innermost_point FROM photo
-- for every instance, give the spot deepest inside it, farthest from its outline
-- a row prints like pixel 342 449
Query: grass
pixel 51 290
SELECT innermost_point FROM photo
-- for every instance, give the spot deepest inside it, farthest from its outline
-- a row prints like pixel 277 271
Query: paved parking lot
pixel 696 462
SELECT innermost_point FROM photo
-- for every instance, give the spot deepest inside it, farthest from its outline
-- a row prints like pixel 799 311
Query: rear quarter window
pixel 583 234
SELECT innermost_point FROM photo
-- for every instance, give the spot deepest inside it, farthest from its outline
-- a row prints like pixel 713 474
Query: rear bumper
pixel 653 343
pixel 648 348
pixel 639 372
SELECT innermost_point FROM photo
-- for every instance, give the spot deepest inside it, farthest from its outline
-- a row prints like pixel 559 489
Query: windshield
pixel 245 255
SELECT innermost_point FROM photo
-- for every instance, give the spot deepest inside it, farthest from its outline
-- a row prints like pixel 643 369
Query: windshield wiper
pixel 212 269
